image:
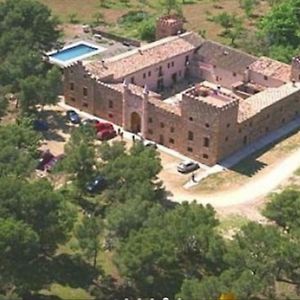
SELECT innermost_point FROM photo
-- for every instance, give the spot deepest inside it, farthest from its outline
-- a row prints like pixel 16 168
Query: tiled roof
pixel 145 56
pixel 225 57
pixel 256 103
pixel 272 68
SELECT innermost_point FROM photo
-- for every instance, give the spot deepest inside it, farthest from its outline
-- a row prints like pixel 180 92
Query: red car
pixel 102 126
pixel 106 134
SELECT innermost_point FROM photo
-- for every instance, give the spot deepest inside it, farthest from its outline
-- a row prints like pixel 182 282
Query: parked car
pixel 101 126
pixel 45 158
pixel 96 185
pixel 150 144
pixel 90 122
pixel 73 117
pixel 106 134
pixel 187 166
pixel 50 165
pixel 40 125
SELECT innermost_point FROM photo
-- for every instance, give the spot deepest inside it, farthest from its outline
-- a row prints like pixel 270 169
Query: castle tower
pixel 168 26
pixel 295 72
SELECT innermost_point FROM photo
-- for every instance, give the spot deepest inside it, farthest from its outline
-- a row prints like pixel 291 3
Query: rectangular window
pixel 132 80
pixel 186 58
pixel 144 75
pixel 85 104
pixel 265 77
pixel 190 136
pixel 206 142
pixel 85 91
pixel 162 125
pixel 234 74
pixel 150 120
pixel 110 104
pixel 72 86
pixel 190 149
pixel 205 156
pixel 150 131
pixel 171 141
pixel 172 129
pixel 172 64
pixel 149 73
pixel 72 99
pixel 168 65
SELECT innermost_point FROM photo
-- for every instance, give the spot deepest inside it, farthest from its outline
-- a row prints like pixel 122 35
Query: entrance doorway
pixel 135 122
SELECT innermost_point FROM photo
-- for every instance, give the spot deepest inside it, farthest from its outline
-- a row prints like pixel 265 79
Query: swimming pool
pixel 73 52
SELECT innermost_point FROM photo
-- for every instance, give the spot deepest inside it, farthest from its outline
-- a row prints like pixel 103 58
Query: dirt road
pixel 248 196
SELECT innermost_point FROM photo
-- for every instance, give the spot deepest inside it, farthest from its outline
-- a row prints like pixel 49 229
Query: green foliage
pixel 172 246
pixel 284 209
pixel 18 149
pixel 28 29
pixel 80 160
pixel 36 90
pixel 3 105
pixel 280 27
pixel 39 206
pixel 147 30
pixel 248 6
pixel 133 17
pixel 73 18
pixel 88 236
pixel 171 6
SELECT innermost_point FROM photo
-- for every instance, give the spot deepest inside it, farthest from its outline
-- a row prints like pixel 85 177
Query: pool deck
pixel 106 48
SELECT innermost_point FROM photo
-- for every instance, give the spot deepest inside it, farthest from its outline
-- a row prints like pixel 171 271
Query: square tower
pixel 168 26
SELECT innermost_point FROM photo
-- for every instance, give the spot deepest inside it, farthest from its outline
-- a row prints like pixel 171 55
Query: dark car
pixel 73 117
pixel 40 125
pixel 105 135
pixel 50 165
pixel 45 158
pixel 187 166
pixel 96 185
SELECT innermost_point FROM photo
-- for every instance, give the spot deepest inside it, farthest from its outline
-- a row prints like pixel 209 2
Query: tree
pixel 281 24
pixel 39 206
pixel 39 90
pixel 284 209
pixel 3 106
pixel 80 157
pixel 18 149
pixel 19 245
pixel 180 243
pixel 147 30
pixel 171 5
pixel 88 234
pixel 248 6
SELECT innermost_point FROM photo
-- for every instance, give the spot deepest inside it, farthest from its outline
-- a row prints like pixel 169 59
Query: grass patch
pixel 67 293
pixel 231 224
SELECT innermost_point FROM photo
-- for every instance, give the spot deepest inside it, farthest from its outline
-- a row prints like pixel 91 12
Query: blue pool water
pixel 73 52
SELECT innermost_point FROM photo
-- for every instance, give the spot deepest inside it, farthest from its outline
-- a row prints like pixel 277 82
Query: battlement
pixel 168 25
pixel 213 98
pixel 295 72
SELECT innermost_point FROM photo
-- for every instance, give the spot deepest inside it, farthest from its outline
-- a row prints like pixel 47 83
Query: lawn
pixel 197 13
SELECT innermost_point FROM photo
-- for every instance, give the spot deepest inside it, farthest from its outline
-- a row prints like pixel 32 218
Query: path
pixel 251 192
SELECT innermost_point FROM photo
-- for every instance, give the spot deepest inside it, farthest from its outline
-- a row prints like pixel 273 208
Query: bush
pixel 147 30
pixel 136 16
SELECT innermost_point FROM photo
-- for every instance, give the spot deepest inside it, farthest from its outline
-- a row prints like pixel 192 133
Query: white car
pixel 187 166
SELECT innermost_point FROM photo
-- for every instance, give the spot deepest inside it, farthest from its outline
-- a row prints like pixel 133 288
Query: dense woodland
pixel 53 233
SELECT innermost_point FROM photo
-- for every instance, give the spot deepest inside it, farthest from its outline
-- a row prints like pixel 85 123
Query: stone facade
pixel 235 100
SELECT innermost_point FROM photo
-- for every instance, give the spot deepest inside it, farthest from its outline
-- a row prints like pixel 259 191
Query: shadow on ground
pixel 252 165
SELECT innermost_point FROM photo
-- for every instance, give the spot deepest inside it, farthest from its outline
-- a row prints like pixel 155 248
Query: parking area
pixel 59 133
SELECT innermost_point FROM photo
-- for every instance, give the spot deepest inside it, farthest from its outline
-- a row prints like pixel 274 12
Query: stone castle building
pixel 196 96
